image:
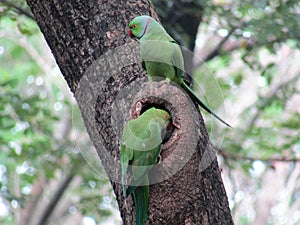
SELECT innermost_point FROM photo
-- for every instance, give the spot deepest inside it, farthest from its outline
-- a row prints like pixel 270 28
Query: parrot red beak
pixel 130 33
pixel 169 126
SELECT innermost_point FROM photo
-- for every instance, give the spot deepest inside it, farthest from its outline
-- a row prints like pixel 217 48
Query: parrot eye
pixel 166 116
pixel 134 26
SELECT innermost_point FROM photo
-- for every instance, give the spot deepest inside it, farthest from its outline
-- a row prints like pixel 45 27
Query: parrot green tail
pixel 202 104
pixel 141 201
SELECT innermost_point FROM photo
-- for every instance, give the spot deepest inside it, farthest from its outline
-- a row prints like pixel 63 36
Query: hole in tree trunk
pixel 144 104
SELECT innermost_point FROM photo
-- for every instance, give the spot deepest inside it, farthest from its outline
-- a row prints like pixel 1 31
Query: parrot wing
pixel 144 158
pixel 140 172
pixel 177 61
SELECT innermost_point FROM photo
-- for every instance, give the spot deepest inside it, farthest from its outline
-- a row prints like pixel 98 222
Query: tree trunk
pixel 101 66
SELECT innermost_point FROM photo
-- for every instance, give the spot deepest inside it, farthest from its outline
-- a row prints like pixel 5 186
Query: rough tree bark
pixel 100 64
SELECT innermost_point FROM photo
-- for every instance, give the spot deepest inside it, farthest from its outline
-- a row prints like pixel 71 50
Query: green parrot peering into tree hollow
pixel 141 144
pixel 161 55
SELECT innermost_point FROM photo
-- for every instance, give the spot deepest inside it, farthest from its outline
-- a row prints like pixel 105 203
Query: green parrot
pixel 141 144
pixel 161 55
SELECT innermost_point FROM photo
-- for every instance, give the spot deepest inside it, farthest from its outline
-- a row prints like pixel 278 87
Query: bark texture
pixel 101 66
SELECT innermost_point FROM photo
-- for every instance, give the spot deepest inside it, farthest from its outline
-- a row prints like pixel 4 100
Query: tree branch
pixel 218 48
pixel 260 105
pixel 62 187
pixel 56 197
pixel 18 9
pixel 31 206
pixel 227 155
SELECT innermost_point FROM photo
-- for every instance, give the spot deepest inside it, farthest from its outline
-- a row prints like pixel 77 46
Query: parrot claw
pixel 177 125
pixel 159 159
pixel 138 107
pixel 168 81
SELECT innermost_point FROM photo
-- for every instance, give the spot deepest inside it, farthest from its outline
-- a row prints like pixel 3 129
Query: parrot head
pixel 165 121
pixel 138 26
pixel 165 117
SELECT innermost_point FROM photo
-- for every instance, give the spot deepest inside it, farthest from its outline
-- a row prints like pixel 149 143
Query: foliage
pixel 265 24
pixel 260 29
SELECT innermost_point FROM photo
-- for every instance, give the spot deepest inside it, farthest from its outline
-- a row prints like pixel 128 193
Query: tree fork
pixel 82 32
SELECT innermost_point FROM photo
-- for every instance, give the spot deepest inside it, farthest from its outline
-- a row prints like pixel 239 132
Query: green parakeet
pixel 141 144
pixel 161 55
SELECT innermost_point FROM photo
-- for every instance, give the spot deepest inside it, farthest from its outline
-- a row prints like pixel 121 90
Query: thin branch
pixel 233 156
pixel 216 51
pixel 46 214
pixel 30 207
pixel 55 199
pixel 269 99
pixel 246 44
pixel 18 9
pixel 219 46
pixel 258 106
pixel 229 47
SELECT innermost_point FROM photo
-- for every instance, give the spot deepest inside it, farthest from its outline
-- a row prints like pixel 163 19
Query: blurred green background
pixel 247 67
